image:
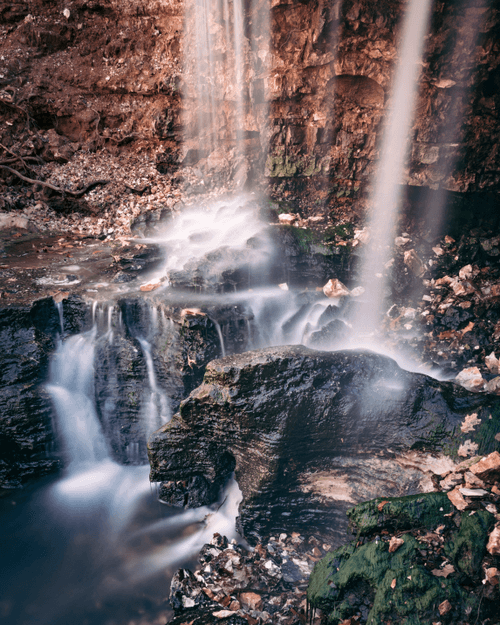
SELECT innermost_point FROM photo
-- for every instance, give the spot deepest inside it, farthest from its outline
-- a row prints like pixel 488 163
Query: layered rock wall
pixel 111 74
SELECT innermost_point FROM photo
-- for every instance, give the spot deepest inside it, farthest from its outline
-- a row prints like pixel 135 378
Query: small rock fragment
pixel 445 83
pixel 488 467
pixel 471 379
pixel 223 613
pixel 401 241
pixel 465 273
pixel 457 499
pixel 493 386
pixel 250 600
pixel 335 288
pixel 492 362
pixel 472 481
pixel 492 576
pixel 474 492
pixel 287 219
pixel 413 262
pixel 362 236
pixel 450 481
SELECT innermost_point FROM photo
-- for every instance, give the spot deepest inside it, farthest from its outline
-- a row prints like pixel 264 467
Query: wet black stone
pixel 284 414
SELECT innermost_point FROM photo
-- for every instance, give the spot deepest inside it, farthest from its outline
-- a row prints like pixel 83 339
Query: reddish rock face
pixel 112 73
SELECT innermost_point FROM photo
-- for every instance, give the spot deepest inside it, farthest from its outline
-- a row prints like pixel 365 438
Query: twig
pixel 54 188
pixel 16 107
pixel 16 158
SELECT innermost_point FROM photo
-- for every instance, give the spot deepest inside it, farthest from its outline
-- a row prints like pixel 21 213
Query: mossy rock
pixel 467 549
pixel 383 586
pixel 400 513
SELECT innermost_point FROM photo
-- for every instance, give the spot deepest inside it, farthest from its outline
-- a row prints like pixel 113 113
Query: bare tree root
pixel 47 185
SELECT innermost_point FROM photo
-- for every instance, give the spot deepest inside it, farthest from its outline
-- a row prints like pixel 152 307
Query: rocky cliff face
pixel 110 74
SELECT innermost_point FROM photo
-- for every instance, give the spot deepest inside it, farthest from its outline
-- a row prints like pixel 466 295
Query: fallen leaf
pixel 468 328
pixel 447 569
pixel 395 544
pixel 381 505
pixel 470 423
pixel 468 449
pixel 444 607
pixel 393 583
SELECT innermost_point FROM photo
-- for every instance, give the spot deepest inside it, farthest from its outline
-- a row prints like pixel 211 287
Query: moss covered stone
pixel 467 548
pixel 380 587
pixel 383 586
pixel 399 513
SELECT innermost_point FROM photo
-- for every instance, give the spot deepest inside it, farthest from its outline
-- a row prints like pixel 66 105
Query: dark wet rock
pixel 119 380
pixel 333 331
pixel 305 429
pixel 27 336
pixel 304 261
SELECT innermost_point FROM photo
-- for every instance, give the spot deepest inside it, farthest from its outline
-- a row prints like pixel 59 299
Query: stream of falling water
pixel 389 177
pixel 96 543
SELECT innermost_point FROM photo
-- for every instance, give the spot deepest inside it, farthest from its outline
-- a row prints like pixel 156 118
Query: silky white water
pixel 113 546
pixel 390 170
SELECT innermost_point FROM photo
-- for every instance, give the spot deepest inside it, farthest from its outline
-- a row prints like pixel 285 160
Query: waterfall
pixel 389 177
pixel 225 75
pixel 71 388
pixel 157 411
pixel 221 338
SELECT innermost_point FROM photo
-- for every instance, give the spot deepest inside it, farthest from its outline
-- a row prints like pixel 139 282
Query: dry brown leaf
pixel 470 422
pixel 447 569
pixel 468 449
pixel 395 544
pixel 381 505
pixel 393 583
pixel 444 607
pixel 468 328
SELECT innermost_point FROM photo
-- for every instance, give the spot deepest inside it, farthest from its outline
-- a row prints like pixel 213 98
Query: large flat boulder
pixel 309 433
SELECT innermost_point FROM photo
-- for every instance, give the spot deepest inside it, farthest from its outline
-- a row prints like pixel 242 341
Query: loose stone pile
pixel 235 586
pixel 434 556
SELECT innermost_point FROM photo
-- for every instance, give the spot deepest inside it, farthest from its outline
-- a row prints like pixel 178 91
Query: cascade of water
pixel 221 338
pixel 239 71
pixel 59 306
pixel 454 86
pixel 387 189
pixel 157 410
pixel 219 88
pixel 71 388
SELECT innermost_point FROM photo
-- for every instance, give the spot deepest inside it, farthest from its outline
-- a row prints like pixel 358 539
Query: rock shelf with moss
pixel 431 574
